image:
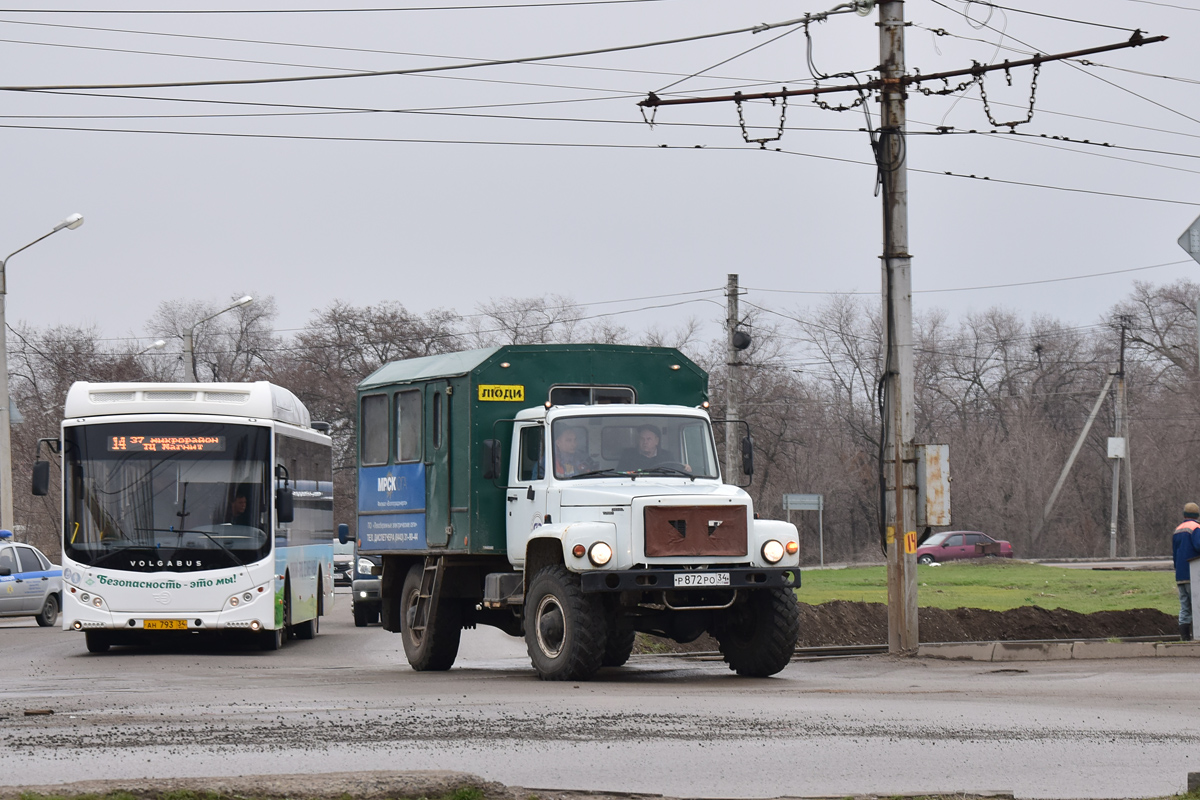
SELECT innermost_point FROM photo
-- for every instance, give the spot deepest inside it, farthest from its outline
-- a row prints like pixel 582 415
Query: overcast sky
pixel 539 178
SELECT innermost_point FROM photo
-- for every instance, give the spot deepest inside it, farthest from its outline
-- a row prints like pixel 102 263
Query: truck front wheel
pixel 565 629
pixel 434 648
pixel 757 637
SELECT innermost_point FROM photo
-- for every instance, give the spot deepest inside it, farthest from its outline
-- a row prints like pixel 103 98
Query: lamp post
pixel 189 357
pixel 158 345
pixel 6 483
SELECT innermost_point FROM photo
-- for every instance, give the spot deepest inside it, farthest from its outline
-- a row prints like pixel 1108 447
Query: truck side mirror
pixel 747 456
pixel 491 459
pixel 41 478
pixel 343 533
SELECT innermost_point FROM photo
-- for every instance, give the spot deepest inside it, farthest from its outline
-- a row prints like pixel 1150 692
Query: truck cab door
pixel 526 494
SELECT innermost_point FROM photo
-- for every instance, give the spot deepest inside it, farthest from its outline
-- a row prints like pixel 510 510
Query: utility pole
pixel 900 467
pixel 890 153
pixel 1121 433
pixel 1117 456
pixel 731 366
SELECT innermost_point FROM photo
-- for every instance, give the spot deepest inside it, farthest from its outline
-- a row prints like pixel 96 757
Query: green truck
pixel 570 494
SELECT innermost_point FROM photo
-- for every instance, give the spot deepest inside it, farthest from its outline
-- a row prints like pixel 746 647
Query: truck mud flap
pixel 682 580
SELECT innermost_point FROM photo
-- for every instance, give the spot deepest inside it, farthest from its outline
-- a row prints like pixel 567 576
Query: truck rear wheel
pixel 565 629
pixel 435 648
pixel 758 637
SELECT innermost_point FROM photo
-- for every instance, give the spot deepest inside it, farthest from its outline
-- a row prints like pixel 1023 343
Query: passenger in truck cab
pixel 648 453
pixel 570 456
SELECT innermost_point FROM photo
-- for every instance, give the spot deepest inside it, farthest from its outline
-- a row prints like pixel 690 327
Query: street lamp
pixel 158 345
pixel 6 483
pixel 189 358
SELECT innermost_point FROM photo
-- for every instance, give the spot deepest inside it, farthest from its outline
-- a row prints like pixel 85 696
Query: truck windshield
pixel 607 445
pixel 172 496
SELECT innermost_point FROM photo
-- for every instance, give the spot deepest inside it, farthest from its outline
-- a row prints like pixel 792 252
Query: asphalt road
pixel 348 701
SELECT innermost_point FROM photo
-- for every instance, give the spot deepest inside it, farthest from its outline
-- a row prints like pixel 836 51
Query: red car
pixel 961 544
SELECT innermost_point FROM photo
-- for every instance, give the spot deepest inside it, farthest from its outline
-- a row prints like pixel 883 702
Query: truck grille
pixel 695 531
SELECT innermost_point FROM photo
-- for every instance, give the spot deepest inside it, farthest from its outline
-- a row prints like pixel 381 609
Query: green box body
pixel 433 498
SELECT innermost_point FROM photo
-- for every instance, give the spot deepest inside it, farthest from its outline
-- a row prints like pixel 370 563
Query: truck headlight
pixel 364 566
pixel 600 554
pixel 772 551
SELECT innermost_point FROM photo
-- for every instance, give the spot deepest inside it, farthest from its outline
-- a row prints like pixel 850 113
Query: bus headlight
pixel 96 601
pixel 772 551
pixel 600 554
pixel 247 597
pixel 233 601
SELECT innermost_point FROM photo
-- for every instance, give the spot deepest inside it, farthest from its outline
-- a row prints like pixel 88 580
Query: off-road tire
pixel 435 648
pixel 97 641
pixel 49 612
pixel 758 637
pixel 565 629
pixel 618 645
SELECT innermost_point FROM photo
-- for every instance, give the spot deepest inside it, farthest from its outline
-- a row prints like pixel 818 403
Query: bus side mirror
pixel 41 478
pixel 285 510
pixel 343 533
pixel 747 456
pixel 491 459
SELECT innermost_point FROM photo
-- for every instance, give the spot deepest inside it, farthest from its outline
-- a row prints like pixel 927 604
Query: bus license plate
pixel 702 579
pixel 165 625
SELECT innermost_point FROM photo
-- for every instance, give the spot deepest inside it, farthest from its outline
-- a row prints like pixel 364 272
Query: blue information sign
pixel 399 489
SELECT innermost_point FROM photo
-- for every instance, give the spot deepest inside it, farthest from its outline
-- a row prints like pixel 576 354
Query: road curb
pixel 1056 651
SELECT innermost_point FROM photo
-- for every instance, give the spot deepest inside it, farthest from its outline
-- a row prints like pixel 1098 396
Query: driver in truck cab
pixel 648 453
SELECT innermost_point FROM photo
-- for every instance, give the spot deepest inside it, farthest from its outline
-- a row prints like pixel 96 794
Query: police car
pixel 30 586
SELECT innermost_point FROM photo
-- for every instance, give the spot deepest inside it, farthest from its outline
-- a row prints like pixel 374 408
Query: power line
pixel 411 71
pixel 1049 16
pixel 366 50
pixel 242 11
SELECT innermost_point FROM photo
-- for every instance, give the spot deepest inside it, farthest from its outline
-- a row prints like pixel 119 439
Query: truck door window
pixel 532 464
pixel 374 415
pixel 408 426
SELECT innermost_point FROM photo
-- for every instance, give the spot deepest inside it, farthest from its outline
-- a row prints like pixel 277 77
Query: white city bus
pixel 193 508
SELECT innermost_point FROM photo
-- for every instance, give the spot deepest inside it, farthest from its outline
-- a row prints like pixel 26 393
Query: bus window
pixel 374 421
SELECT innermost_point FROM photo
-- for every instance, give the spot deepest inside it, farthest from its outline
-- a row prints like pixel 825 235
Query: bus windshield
pixel 610 445
pixel 166 496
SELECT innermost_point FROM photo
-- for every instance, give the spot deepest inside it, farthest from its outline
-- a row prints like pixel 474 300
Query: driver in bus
pixel 239 509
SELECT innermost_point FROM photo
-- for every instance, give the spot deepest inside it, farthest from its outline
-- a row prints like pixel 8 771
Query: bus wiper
pixel 206 535
pixel 608 473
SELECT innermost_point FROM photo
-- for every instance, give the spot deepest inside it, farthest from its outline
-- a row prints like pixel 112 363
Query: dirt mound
pixel 841 622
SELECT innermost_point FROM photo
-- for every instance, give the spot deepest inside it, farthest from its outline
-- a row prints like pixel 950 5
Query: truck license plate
pixel 165 625
pixel 701 579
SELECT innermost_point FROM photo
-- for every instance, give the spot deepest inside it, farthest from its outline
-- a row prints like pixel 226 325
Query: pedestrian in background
pixel 1185 545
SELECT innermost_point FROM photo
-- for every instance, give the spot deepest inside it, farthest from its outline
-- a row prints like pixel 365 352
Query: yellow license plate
pixel 165 625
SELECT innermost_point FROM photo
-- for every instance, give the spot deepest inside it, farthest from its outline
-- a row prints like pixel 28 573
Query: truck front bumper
pixel 682 580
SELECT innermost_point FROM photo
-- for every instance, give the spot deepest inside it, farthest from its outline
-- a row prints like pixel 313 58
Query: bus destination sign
pixel 166 444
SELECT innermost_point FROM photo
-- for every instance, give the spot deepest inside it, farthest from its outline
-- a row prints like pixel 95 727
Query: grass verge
pixel 1001 584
